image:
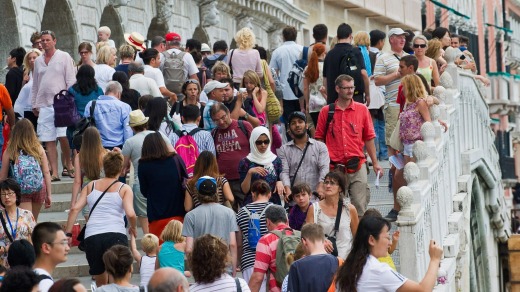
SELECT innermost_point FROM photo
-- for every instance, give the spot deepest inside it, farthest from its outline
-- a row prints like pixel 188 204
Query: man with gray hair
pixel 111 116
pixel 168 280
pixel 144 85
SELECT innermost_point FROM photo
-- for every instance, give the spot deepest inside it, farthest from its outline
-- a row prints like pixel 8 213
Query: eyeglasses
pixel 62 242
pixel 46 32
pixel 348 87
pixel 8 194
pixel 222 118
pixel 260 142
pixel 422 46
pixel 330 182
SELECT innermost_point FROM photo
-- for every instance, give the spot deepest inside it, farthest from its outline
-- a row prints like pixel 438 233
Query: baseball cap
pixel 205 48
pixel 396 31
pixel 207 186
pixel 213 84
pixel 172 37
pixel 297 114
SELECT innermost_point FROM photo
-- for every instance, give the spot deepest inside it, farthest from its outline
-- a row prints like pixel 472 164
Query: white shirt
pixel 103 75
pixel 23 102
pixel 144 85
pixel 225 283
pixel 44 284
pixel 155 74
pixel 190 67
pixel 378 276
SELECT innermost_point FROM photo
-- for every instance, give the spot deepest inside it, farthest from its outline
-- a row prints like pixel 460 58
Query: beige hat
pixel 136 40
pixel 205 48
pixel 137 118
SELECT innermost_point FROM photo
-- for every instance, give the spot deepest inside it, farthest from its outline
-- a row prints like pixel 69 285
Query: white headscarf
pixel 266 159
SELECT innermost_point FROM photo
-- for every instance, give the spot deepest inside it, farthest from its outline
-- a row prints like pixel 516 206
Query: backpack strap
pixel 230 64
pixel 305 53
pixel 221 57
pixel 263 211
pixel 42 277
pixel 239 287
pixel 92 108
pixel 330 116
pixel 243 128
pixel 180 133
pixel 194 131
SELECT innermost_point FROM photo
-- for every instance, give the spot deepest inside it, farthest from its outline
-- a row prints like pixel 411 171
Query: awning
pixel 442 5
pixel 499 27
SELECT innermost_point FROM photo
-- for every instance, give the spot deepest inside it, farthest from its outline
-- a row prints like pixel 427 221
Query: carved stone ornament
pixel 411 172
pixel 420 151
pixel 451 54
pixel 435 112
pixel 428 132
pixel 118 3
pixel 275 39
pixel 405 198
pixel 245 22
pixel 440 93
pixel 210 16
pixel 446 80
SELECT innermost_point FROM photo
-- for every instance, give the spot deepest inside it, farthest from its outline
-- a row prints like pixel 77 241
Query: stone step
pixel 60 203
pixel 75 250
pixel 76 266
pixel 62 187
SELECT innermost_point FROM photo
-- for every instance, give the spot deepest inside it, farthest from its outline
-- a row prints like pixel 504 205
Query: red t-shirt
pixel 231 145
pixel 5 100
pixel 347 132
pixel 401 99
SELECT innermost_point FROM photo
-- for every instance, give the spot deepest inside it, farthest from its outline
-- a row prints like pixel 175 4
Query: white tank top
pixel 108 214
pixel 146 270
pixel 344 236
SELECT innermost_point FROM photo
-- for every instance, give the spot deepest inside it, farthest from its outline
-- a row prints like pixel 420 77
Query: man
pixel 349 132
pixel 235 103
pixel 111 116
pixel 265 257
pixel 168 280
pixel 51 246
pixel 320 34
pixel 205 51
pixel 215 92
pixel 408 65
pixel 53 71
pixel 282 61
pixel 220 49
pixel 5 106
pixel 190 122
pixel 173 45
pixel 332 68
pixel 141 83
pixel 455 41
pixel 211 218
pixel 151 70
pixel 158 43
pixel 317 262
pixel 14 77
pixel 36 41
pixel 193 45
pixel 314 163
pixel 231 139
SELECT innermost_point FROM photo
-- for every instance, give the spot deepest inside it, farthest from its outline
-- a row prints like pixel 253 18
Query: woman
pixel 427 66
pixel 363 272
pixel 255 96
pixel 245 57
pixel 119 264
pixel 443 35
pixel 434 51
pixel 89 162
pixel 85 54
pixel 191 90
pixel 22 105
pixel 127 55
pixel 19 222
pixel 106 226
pixel 325 212
pixel 24 141
pixel 208 261
pixel 161 179
pixel 157 112
pixel 106 60
pixel 313 81
pixel 261 163
pixel 206 165
pixel 67 285
pixel 129 96
pixel 265 67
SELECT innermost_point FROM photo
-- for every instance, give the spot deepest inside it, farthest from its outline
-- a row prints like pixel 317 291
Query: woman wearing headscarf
pixel 261 163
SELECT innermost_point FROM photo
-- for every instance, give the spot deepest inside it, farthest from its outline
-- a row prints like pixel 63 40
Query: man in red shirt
pixel 350 130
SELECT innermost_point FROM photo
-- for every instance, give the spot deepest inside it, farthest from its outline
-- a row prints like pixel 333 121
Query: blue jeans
pixel 381 150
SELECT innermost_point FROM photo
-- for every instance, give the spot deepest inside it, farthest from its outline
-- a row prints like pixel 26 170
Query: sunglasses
pixel 190 81
pixel 419 46
pixel 260 142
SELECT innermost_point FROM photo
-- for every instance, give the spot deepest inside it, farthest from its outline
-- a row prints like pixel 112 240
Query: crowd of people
pixel 240 162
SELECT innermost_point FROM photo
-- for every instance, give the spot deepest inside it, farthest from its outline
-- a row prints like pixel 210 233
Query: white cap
pixel 396 31
pixel 205 48
pixel 212 85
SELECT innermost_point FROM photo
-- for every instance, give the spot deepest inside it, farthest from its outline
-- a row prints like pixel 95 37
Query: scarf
pixel 266 159
pixel 366 58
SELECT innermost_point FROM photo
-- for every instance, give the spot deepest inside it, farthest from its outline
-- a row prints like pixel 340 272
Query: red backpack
pixel 187 148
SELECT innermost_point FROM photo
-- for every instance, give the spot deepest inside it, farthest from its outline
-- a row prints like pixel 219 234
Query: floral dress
pixel 24 228
pixel 271 178
pixel 410 124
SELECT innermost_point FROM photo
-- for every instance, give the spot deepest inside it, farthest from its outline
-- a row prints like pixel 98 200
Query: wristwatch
pixel 68 234
pixel 246 116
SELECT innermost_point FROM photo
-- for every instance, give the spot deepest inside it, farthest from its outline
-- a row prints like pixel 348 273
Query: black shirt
pixel 13 82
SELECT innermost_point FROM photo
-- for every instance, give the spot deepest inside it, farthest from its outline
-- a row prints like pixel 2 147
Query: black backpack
pixel 349 65
pixel 82 125
pixel 210 63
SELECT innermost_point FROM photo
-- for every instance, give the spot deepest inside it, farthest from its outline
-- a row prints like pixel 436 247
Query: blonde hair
pixel 221 67
pixel 126 52
pixel 172 232
pixel 150 242
pixel 333 42
pixel 23 138
pixel 99 45
pixel 245 38
pixel 361 38
pixel 252 77
pixel 104 55
pixel 420 37
pixel 434 48
pixel 26 66
pixel 105 29
pixel 413 88
pixel 299 252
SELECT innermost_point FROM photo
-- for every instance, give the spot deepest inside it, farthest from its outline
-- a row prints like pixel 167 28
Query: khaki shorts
pixel 391 115
pixel 359 192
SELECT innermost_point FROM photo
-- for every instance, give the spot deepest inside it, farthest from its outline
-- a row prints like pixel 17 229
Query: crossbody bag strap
pixel 300 164
pixel 338 217
pixel 5 227
pixel 100 197
pixel 92 108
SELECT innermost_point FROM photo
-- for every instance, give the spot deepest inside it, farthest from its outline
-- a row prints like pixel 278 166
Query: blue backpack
pixel 28 173
pixel 253 229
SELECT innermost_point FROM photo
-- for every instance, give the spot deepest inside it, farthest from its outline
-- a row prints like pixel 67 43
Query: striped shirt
pixel 388 63
pixel 225 283
pixel 248 254
pixel 203 138
pixel 265 258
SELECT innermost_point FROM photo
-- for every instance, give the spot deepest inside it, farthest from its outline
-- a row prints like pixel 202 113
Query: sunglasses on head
pixel 419 46
pixel 260 142
pixel 189 81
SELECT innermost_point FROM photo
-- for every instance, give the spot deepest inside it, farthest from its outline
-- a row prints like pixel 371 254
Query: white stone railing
pixel 436 203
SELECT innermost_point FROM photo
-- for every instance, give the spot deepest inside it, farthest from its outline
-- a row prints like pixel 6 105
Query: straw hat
pixel 136 40
pixel 137 118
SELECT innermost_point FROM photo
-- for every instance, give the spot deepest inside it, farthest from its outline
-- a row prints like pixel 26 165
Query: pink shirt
pixel 49 79
pixel 231 146
pixel 243 61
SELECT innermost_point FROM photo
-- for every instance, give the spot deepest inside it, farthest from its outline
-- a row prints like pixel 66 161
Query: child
pixel 104 36
pixel 414 114
pixel 395 239
pixel 171 252
pixel 301 196
pixel 146 263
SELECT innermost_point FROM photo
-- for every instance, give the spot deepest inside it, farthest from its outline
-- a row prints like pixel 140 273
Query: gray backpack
pixel 173 71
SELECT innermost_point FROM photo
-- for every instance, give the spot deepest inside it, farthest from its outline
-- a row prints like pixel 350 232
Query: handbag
pixel 81 235
pixel 332 238
pixel 273 107
pixel 377 98
pixel 5 227
pixel 65 110
pixel 82 125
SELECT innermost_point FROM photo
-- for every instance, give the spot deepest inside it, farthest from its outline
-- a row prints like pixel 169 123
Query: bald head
pixel 168 280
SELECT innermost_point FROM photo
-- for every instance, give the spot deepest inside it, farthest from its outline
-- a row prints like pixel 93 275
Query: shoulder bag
pixel 332 238
pixel 273 107
pixel 5 226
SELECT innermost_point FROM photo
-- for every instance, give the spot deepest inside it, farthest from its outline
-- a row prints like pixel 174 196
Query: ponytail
pixel 313 72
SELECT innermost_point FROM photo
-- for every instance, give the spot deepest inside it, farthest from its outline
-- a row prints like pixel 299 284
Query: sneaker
pixel 392 215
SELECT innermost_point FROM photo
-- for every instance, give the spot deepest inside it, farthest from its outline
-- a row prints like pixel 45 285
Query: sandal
pixel 55 178
pixel 71 173
pixel 65 172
